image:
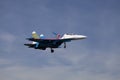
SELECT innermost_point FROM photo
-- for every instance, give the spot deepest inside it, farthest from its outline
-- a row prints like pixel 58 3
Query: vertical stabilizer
pixel 35 35
pixel 42 36
pixel 57 35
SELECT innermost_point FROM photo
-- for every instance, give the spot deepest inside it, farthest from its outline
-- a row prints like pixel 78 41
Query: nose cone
pixel 77 37
pixel 84 37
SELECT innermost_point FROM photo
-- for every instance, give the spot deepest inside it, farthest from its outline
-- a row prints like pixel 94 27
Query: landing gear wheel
pixel 52 51
pixel 64 45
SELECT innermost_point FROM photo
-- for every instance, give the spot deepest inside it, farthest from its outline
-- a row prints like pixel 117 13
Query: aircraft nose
pixel 84 37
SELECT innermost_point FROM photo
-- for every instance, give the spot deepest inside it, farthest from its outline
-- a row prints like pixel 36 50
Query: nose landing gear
pixel 64 45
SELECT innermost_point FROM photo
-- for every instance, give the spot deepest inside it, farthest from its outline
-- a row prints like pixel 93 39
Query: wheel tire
pixel 52 51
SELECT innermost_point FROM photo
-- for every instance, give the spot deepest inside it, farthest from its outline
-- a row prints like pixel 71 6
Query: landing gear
pixel 64 45
pixel 52 51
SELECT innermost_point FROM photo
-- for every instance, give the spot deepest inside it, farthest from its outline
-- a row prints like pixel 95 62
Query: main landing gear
pixel 64 45
pixel 52 51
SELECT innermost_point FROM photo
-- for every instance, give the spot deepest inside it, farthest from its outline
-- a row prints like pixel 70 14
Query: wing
pixel 49 40
pixel 52 43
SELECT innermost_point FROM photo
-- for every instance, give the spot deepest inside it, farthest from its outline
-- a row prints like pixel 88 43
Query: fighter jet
pixel 40 42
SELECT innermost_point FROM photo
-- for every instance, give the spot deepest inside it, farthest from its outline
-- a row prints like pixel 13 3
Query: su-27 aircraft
pixel 40 42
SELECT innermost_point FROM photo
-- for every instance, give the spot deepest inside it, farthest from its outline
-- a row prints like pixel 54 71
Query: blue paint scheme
pixel 42 36
pixel 37 44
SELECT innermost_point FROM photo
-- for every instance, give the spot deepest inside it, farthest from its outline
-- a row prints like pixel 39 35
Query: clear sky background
pixel 95 58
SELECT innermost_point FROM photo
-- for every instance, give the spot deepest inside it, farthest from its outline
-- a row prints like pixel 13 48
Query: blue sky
pixel 96 58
